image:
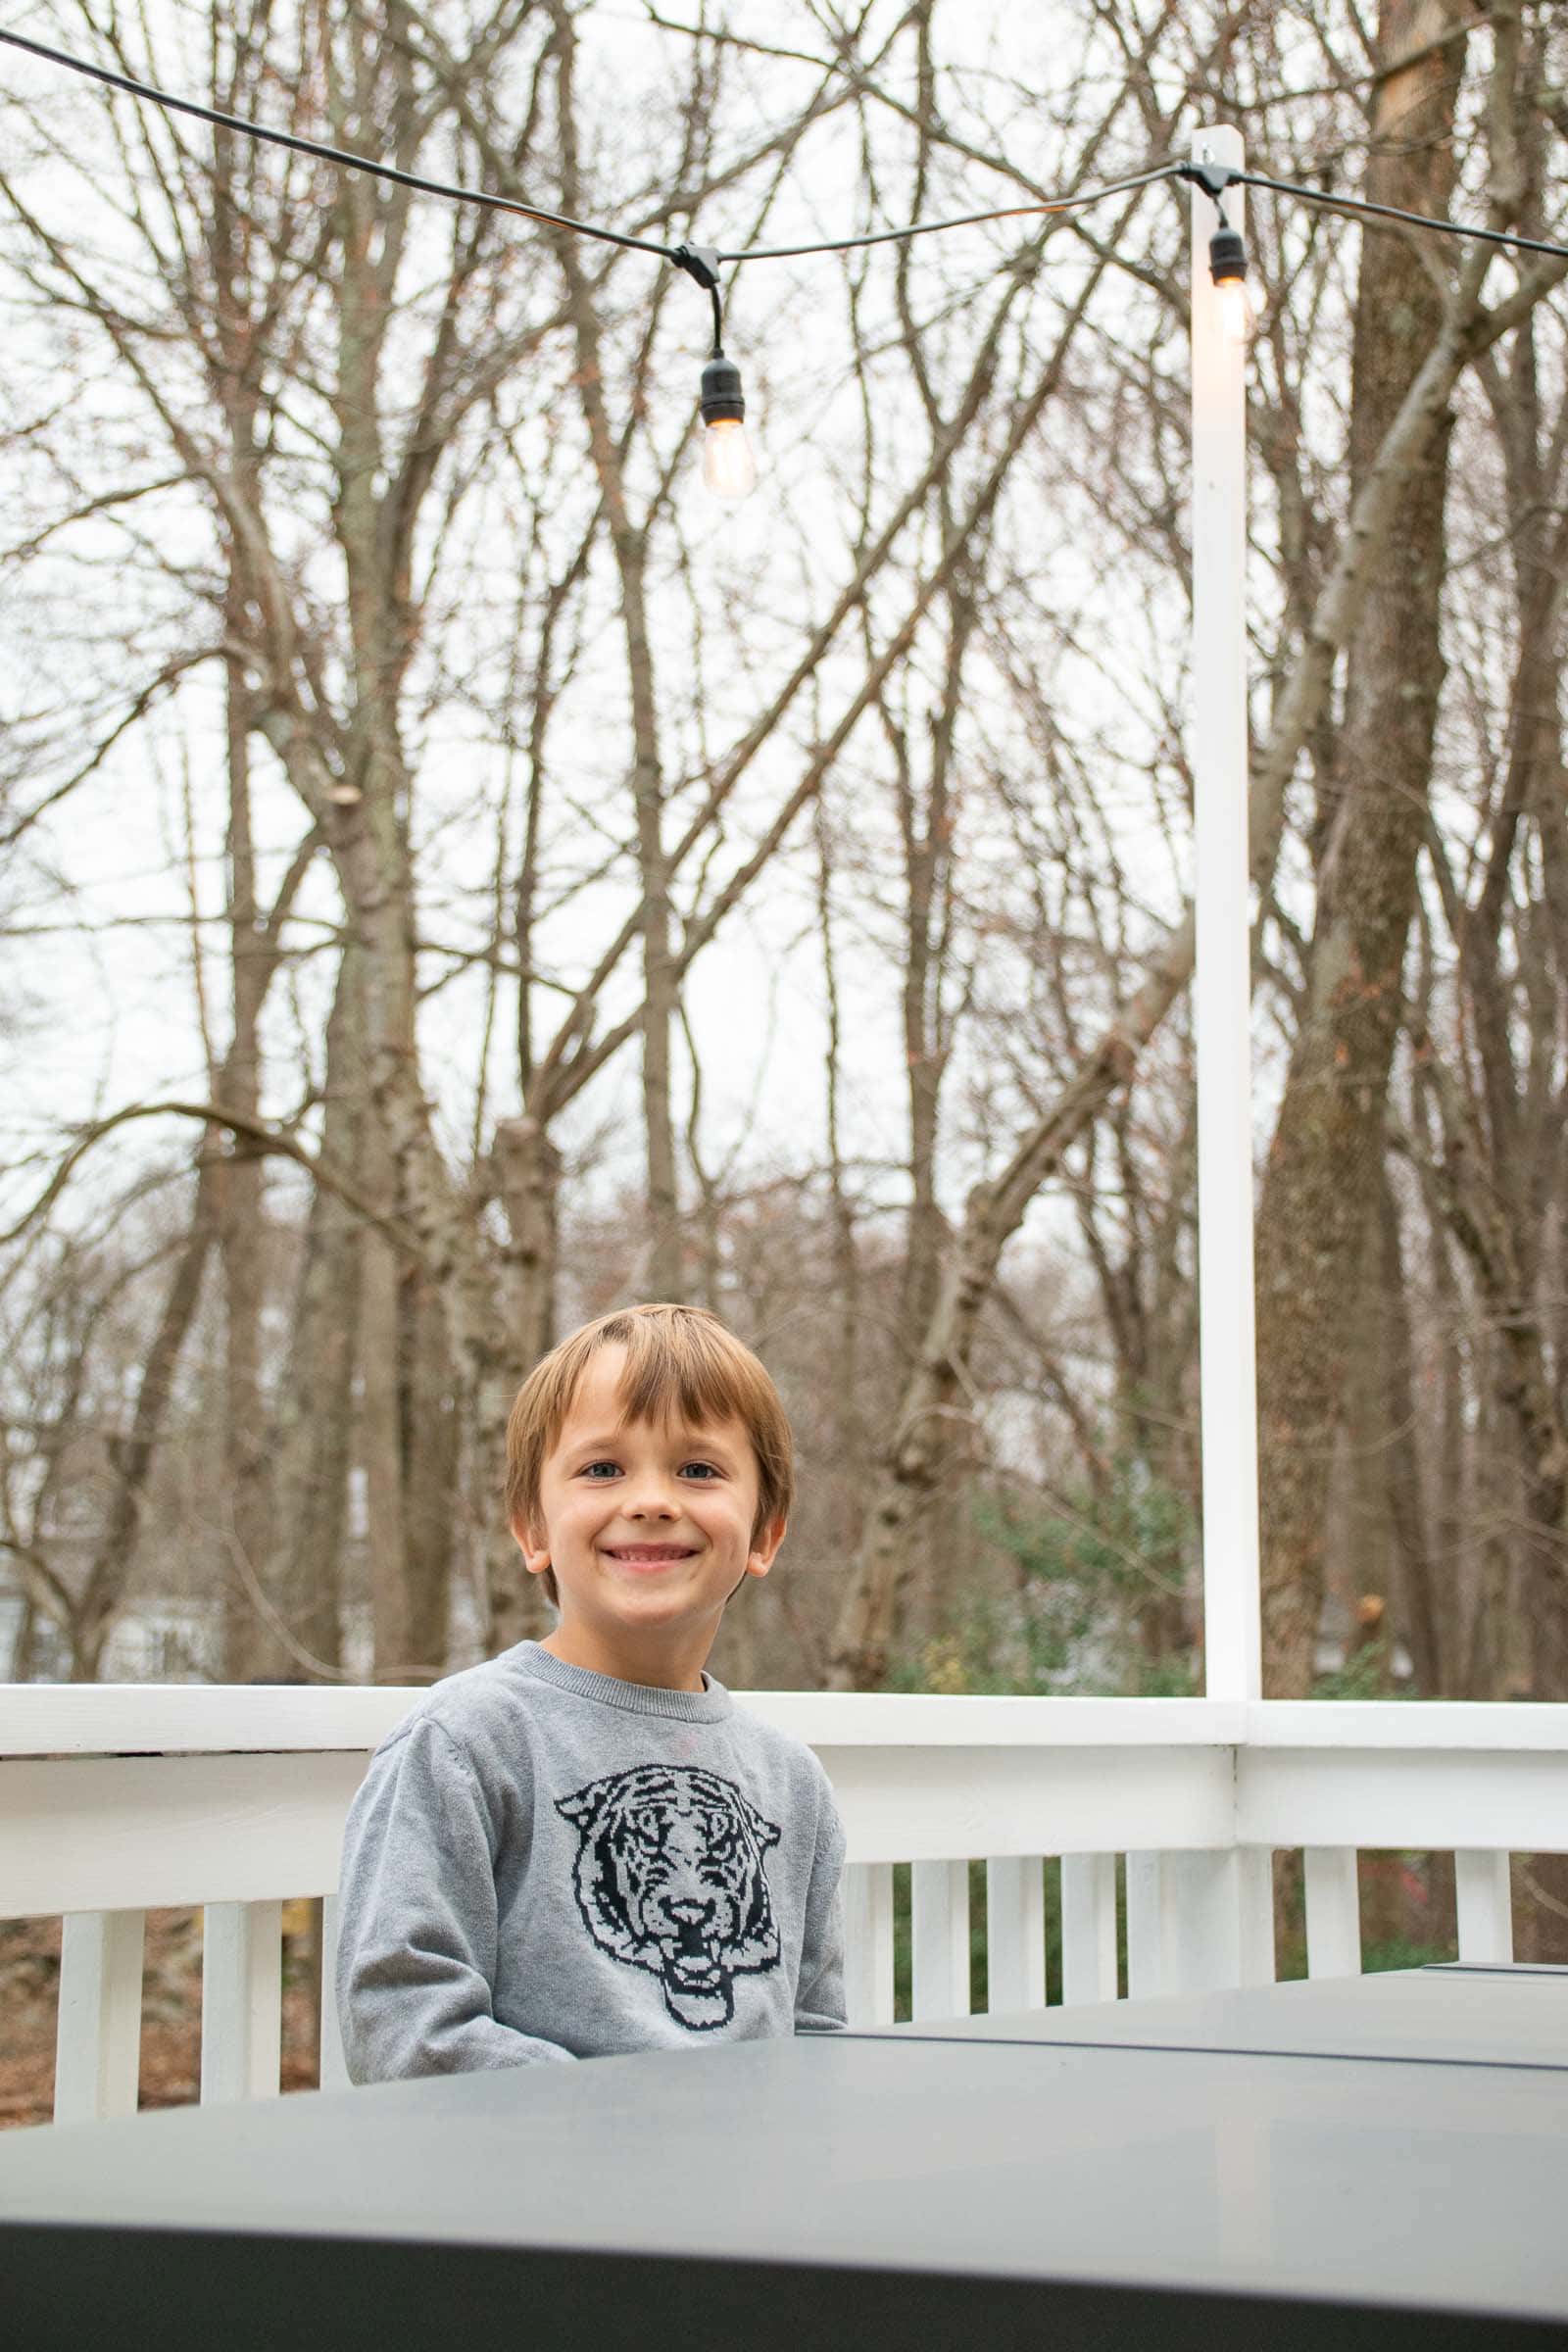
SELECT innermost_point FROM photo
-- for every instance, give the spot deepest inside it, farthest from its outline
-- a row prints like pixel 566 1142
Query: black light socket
pixel 723 399
pixel 1227 255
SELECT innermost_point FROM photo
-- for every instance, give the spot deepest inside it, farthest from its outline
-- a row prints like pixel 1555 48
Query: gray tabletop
pixel 1458 2016
pixel 1252 2145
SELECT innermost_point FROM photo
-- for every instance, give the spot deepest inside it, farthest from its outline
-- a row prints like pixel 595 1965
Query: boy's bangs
pixel 676 1374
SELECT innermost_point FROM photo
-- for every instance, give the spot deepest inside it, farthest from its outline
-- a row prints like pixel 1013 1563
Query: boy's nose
pixel 652 1498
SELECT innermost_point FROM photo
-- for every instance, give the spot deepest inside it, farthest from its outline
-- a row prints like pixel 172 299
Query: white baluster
pixel 334 2067
pixel 1152 1944
pixel 1088 1928
pixel 1016 1933
pixel 1255 1898
pixel 98 2030
pixel 242 2005
pixel 868 1943
pixel 940 1939
pixel 1333 1912
pixel 1484 1898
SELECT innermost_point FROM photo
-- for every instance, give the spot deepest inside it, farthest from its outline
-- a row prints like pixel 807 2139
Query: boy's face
pixel 647 1525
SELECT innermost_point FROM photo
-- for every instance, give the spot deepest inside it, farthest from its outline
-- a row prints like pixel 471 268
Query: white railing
pixel 118 1801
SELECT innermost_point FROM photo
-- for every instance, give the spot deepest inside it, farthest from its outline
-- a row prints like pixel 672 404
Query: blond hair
pixel 681 1364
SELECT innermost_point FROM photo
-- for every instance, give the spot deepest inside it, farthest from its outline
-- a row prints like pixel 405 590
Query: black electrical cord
pixel 1390 212
pixel 932 228
pixel 680 255
pixel 332 155
pixel 1215 179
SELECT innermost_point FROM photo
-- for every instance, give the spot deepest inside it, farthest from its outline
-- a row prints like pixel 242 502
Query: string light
pixel 729 466
pixel 1227 253
pixel 1227 266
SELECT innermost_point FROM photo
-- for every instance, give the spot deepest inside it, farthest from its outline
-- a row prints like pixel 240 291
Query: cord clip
pixel 1212 178
pixel 699 262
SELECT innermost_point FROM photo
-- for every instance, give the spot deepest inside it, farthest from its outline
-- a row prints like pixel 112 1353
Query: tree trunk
pixel 313 1449
pixel 379 1448
pixel 312 1429
pixel 22 1646
pixel 1419 1583
pixel 1320 1185
pixel 529 1173
pixel 845 1374
pixel 241 1237
pixel 109 1576
pixel 925 828
pixel 429 1424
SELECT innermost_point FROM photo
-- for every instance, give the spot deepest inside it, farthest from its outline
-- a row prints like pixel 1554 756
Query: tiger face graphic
pixel 669 1878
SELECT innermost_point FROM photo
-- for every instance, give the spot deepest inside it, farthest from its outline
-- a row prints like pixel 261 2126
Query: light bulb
pixel 729 466
pixel 1227 268
pixel 1237 314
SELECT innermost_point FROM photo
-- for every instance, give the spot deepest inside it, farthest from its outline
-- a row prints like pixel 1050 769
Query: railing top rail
pixel 173 1718
pixel 184 1718
pixel 1506 1727
pixel 149 1719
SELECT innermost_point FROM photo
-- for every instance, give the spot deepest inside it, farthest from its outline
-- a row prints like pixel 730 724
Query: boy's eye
pixel 699 1470
pixel 593 1469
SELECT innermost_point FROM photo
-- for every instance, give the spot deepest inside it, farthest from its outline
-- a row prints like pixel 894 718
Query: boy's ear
pixel 534 1549
pixel 764 1546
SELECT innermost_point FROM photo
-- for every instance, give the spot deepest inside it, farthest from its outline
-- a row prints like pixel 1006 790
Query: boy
pixel 583 1847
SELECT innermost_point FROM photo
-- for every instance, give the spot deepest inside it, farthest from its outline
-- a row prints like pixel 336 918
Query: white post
pixel 1222 1923
pixel 98 2026
pixel 1484 1897
pixel 1222 991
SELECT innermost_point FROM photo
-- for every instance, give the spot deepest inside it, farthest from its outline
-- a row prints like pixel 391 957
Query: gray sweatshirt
pixel 544 1863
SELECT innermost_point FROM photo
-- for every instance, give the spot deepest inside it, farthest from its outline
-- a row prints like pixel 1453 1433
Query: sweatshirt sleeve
pixel 417 1923
pixel 819 2003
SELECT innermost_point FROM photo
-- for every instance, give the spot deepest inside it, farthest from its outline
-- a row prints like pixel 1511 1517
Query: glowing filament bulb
pixel 1237 315
pixel 729 466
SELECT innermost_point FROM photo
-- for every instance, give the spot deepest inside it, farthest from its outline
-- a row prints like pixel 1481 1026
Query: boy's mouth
pixel 649 1555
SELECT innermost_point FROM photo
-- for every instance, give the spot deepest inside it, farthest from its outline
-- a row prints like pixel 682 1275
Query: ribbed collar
pixel 711 1704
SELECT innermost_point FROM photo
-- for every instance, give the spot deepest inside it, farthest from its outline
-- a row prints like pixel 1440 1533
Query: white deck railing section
pixel 115 1802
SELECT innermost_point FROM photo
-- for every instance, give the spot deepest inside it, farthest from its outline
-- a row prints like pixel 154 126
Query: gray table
pixel 1381 2164
pixel 1455 2016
